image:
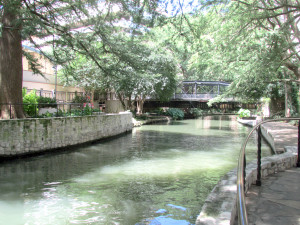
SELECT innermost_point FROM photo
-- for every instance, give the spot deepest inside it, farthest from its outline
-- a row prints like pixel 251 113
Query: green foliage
pixel 248 44
pixel 87 110
pixel 80 99
pixel 196 112
pixel 175 113
pixel 46 102
pixel 294 104
pixel 244 113
pixel 30 102
pixel 24 92
pixel 143 71
pixel 141 117
pixel 46 115
pixel 159 111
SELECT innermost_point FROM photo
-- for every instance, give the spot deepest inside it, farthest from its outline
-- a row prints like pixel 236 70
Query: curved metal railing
pixel 241 174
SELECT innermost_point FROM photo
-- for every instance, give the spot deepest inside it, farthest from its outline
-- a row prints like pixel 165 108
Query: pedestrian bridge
pixel 200 90
pixel 196 94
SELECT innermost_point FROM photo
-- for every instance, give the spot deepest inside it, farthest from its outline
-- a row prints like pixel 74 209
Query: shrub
pixel 159 111
pixel 244 113
pixel 196 112
pixel 80 99
pixel 176 114
pixel 46 102
pixel 30 101
pixel 87 110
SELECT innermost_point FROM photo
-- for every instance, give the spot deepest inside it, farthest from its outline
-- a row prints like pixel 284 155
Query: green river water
pixel 158 174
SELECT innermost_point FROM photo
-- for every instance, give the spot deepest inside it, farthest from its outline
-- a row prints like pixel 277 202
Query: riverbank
pixel 220 205
pixel 29 136
pixel 152 119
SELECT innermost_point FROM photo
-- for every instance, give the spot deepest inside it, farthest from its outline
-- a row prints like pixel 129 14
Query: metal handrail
pixel 241 174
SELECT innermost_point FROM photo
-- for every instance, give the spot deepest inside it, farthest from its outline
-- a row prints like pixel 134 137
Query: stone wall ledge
pixel 19 137
pixel 220 206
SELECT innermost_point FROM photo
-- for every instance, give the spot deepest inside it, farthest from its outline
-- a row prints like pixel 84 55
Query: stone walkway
pixel 277 201
pixel 283 134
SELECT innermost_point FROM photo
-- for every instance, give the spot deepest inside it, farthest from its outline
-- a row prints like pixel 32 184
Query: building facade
pixel 46 86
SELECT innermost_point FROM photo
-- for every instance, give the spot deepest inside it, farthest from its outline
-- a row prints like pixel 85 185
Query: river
pixel 158 174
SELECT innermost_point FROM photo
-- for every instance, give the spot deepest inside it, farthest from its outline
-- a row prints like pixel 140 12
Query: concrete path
pixel 283 134
pixel 277 201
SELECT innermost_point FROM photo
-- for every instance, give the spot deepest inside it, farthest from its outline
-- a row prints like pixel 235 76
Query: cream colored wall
pixel 46 65
pixel 47 83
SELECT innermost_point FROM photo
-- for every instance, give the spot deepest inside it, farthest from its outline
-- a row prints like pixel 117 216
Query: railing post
pixel 258 179
pixel 35 109
pixel 298 159
pixel 10 111
pixel 244 172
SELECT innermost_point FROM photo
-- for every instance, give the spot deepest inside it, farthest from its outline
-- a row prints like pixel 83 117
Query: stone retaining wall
pixel 28 136
pixel 220 206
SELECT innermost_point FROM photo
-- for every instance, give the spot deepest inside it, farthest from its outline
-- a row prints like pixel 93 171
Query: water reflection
pixel 158 174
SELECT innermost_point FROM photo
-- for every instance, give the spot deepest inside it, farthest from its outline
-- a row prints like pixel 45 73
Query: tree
pixel 251 44
pixel 60 23
pixel 11 60
pixel 144 71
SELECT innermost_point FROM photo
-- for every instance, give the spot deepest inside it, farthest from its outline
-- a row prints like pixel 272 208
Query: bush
pixel 80 99
pixel 244 113
pixel 30 102
pixel 196 112
pixel 87 110
pixel 176 114
pixel 159 111
pixel 46 102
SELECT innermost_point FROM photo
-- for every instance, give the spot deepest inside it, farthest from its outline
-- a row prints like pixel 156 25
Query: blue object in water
pixel 161 211
pixel 162 220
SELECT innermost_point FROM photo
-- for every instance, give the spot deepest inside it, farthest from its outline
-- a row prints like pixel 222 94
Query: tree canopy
pixel 140 47
pixel 72 26
pixel 252 44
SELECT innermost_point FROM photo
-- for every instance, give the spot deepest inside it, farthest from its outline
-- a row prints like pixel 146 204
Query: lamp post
pixel 55 83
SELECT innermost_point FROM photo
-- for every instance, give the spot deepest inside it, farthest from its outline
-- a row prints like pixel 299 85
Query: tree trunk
pixel 288 101
pixel 92 97
pixel 11 69
pixel 140 104
pixel 122 100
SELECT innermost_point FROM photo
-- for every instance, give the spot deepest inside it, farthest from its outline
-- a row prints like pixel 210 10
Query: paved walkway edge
pixel 220 206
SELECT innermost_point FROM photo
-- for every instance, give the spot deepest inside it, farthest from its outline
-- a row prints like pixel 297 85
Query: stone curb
pixel 220 206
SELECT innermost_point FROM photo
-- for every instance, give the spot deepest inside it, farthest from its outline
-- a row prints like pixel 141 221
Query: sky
pixel 173 7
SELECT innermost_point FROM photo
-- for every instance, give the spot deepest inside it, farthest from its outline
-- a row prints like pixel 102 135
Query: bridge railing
pixel 241 170
pixel 194 96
